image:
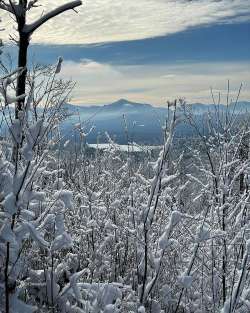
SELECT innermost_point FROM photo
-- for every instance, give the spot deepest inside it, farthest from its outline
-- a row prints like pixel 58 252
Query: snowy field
pixel 132 147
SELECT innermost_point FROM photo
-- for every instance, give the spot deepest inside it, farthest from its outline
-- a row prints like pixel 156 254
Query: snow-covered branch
pixel 5 6
pixel 28 29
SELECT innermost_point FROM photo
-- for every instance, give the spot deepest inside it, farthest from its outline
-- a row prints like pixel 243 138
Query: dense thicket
pixel 109 233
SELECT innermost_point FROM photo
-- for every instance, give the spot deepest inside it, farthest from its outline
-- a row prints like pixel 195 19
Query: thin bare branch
pixel 29 29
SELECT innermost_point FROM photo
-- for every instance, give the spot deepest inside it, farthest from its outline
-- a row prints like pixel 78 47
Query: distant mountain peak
pixel 124 103
pixel 127 106
pixel 121 102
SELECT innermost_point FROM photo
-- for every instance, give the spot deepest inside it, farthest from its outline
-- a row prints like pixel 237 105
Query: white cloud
pixel 109 20
pixel 101 83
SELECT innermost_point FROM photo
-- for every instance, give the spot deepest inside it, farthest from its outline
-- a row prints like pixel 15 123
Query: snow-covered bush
pixel 156 226
pixel 107 232
pixel 36 272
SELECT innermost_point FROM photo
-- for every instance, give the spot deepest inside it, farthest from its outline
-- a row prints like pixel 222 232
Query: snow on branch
pixel 32 4
pixel 68 6
pixel 5 6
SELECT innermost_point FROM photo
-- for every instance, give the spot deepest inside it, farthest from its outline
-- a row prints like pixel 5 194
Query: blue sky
pixel 149 55
pixel 215 43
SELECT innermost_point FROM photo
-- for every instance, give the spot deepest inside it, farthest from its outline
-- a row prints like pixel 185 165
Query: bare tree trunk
pixel 25 31
pixel 22 63
pixel 22 56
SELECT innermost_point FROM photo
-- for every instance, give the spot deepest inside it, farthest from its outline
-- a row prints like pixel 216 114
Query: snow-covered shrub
pixel 35 273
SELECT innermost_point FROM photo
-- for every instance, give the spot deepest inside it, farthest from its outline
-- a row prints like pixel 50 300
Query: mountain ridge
pixel 142 121
pixel 128 104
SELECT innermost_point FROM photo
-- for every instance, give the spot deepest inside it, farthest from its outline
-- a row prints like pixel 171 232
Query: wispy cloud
pixel 101 83
pixel 119 20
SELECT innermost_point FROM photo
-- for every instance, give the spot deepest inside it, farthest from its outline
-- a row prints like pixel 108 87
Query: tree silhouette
pixel 19 11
